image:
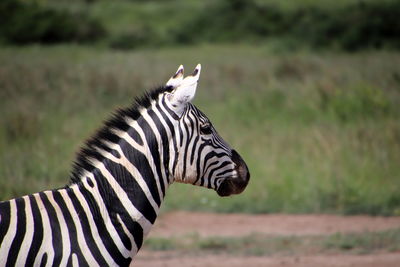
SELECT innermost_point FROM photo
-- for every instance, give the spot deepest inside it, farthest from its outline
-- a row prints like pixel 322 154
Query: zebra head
pixel 202 157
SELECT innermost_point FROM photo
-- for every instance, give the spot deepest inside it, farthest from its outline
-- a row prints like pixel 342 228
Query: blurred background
pixel 307 91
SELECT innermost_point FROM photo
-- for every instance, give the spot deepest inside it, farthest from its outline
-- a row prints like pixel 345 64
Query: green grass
pixel 270 245
pixel 364 243
pixel 319 131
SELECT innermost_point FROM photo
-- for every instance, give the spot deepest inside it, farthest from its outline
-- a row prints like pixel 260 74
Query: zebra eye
pixel 205 129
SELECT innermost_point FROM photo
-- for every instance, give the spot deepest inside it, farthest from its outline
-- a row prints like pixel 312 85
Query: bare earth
pixel 236 225
pixel 211 224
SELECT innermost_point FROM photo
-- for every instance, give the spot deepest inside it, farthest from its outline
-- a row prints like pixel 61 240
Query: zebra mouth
pixel 237 184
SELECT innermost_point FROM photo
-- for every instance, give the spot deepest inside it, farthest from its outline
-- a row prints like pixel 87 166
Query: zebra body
pixel 119 181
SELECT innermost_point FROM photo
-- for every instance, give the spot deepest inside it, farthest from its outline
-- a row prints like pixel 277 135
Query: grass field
pixel 319 131
pixel 269 245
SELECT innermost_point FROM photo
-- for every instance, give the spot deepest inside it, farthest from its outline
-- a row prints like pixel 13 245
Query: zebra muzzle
pixel 235 185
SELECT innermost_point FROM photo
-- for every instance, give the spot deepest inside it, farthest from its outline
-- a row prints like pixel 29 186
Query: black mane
pixel 117 121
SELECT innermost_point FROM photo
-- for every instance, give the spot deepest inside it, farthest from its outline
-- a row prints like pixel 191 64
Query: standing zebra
pixel 118 183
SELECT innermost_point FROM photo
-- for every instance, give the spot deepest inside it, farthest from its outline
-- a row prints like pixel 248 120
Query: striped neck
pixel 124 168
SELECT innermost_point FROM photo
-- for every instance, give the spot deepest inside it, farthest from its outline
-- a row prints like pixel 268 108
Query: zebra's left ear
pixel 184 88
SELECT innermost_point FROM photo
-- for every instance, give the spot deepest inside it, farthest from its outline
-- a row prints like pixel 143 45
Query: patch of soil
pixel 211 224
pixel 374 260
pixel 236 225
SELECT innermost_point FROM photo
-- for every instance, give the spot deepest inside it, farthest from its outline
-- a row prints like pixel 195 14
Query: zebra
pixel 118 181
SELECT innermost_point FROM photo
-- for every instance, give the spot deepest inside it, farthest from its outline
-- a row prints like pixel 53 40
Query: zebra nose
pixel 235 185
pixel 241 167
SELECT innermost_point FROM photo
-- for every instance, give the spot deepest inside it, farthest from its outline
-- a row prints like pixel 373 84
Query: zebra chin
pixel 237 184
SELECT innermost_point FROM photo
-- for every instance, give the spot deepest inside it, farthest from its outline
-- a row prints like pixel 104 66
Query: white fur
pixel 184 88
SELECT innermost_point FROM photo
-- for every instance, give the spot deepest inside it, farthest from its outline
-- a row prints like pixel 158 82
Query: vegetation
pixel 29 22
pixel 351 25
pixel 319 132
pixel 318 127
pixel 261 245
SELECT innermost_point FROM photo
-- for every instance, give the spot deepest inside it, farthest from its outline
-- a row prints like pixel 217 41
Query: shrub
pixel 352 27
pixel 232 20
pixel 141 36
pixel 30 23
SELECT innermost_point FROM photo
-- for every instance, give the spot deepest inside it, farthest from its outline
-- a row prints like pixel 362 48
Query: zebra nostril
pixel 240 166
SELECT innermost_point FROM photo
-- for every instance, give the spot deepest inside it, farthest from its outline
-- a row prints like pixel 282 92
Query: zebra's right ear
pixel 184 88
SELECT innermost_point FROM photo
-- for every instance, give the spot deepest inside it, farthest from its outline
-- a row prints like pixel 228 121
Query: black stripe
pixel 55 229
pixel 222 166
pixel 37 232
pixel 181 135
pixel 171 112
pixel 140 161
pixel 86 229
pixel 198 163
pixel 114 207
pixel 90 182
pixel 135 136
pixel 19 235
pixel 152 143
pixel 210 155
pixel 174 137
pixel 194 148
pixel 165 146
pixel 192 130
pixel 225 163
pixel 5 214
pixel 129 183
pixel 172 130
pixel 100 144
pixel 198 171
pixel 188 135
pixel 97 216
pixel 44 260
pixel 209 166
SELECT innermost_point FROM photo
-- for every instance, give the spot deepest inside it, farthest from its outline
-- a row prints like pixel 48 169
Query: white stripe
pixel 172 152
pixel 181 155
pixel 12 230
pixel 65 239
pixel 156 132
pixel 169 135
pixel 80 236
pixel 192 143
pixel 94 231
pixel 126 231
pixel 25 245
pixel 103 211
pixel 46 246
pixel 75 262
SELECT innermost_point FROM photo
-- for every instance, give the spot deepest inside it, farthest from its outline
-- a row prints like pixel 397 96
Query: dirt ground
pixel 211 224
pixel 235 225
